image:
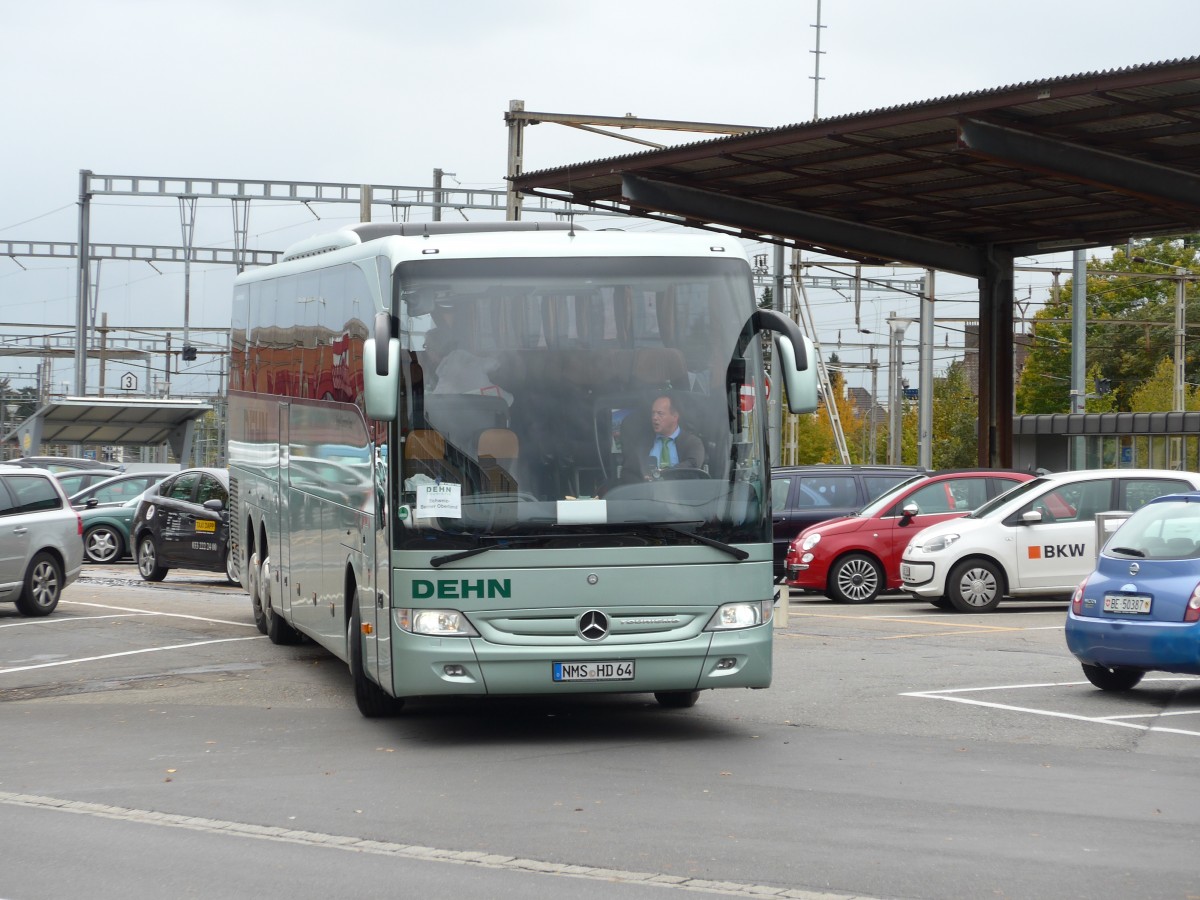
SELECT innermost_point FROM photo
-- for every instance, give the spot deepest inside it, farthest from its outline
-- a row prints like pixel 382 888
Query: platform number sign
pixel 128 381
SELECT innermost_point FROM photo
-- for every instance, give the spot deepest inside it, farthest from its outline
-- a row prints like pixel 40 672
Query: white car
pixel 1037 540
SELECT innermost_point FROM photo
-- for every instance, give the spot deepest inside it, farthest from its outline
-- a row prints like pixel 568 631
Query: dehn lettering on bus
pixel 464 589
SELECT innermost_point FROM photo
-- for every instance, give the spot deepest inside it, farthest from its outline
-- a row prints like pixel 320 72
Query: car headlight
pixel 941 542
pixel 810 541
pixel 437 622
pixel 732 616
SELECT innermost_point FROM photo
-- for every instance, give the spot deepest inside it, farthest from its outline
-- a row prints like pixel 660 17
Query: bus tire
pixel 677 699
pixel 252 586
pixel 231 573
pixel 278 630
pixel 373 701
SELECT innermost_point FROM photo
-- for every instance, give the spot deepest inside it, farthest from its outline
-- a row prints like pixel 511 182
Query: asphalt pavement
pixel 158 745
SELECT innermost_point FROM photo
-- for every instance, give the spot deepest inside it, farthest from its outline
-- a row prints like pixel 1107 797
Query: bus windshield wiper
pixel 736 552
pixel 501 544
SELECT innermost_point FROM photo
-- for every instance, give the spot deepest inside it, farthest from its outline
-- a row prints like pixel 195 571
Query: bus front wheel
pixel 373 702
pixel 677 699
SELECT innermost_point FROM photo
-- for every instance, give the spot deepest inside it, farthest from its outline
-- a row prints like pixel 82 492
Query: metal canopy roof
pixel 112 421
pixel 1078 161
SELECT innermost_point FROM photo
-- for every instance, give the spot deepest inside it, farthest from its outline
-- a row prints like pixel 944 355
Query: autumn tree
pixel 1130 330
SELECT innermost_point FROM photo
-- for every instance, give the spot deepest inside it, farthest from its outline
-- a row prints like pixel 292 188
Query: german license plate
pixel 206 525
pixel 1135 604
pixel 616 670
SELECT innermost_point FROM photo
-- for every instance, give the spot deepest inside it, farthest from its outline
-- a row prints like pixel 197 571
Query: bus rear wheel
pixel 278 630
pixel 252 587
pixel 373 702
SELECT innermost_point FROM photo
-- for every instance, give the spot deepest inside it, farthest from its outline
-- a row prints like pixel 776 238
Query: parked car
pixel 63 463
pixel 184 521
pixel 116 489
pixel 106 530
pixel 855 558
pixel 805 495
pixel 1139 610
pixel 75 480
pixel 41 551
pixel 1037 540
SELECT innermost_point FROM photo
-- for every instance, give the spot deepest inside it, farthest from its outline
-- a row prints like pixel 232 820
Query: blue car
pixel 1139 611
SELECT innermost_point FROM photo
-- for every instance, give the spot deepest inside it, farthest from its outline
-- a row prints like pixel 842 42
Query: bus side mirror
pixel 801 383
pixel 381 371
pixel 797 360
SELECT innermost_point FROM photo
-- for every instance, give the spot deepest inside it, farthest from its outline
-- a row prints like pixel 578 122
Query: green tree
pixel 1131 316
pixel 1157 393
pixel 955 421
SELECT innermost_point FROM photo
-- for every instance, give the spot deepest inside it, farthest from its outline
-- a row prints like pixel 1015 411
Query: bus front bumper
pixel 428 666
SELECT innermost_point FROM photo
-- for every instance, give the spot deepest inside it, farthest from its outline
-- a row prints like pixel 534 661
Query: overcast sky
pixel 384 91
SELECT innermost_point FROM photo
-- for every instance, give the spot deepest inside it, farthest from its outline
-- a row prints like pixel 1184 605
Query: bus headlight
pixel 437 622
pixel 732 616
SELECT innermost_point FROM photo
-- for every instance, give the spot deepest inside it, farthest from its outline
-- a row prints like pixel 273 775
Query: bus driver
pixel 673 446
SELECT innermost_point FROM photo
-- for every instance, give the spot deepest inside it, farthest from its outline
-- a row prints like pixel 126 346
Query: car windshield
pixel 888 497
pixel 1166 530
pixel 993 506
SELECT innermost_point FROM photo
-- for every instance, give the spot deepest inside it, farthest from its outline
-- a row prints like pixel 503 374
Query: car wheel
pixel 43 586
pixel 1118 678
pixel 231 573
pixel 102 544
pixel 147 560
pixel 677 699
pixel 278 629
pixel 855 578
pixel 975 586
pixel 373 701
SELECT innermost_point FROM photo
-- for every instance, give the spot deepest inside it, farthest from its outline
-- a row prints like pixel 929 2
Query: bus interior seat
pixel 425 454
pixel 498 451
pixel 463 417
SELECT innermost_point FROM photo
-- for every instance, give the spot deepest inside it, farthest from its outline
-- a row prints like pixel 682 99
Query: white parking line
pixel 60 620
pixel 154 612
pixel 1116 720
pixel 83 659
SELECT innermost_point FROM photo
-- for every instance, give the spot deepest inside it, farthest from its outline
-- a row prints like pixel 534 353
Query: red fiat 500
pixel 855 558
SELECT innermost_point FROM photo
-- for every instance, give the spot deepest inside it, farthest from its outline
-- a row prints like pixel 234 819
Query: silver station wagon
pixel 41 540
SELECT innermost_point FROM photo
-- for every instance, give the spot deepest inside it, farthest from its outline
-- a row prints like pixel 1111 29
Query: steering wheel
pixel 682 473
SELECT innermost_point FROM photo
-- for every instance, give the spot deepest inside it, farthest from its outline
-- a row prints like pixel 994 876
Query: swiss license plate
pixel 206 525
pixel 614 670
pixel 906 572
pixel 1136 604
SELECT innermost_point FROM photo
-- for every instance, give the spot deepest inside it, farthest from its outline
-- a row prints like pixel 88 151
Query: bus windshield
pixel 583 399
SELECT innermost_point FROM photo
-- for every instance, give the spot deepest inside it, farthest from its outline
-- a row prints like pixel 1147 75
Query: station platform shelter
pixel 1157 440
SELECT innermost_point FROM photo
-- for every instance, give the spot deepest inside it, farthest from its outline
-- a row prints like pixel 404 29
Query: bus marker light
pixel 368 628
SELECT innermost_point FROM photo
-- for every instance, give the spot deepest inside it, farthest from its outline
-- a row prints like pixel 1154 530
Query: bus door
pixel 281 543
pixel 375 602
